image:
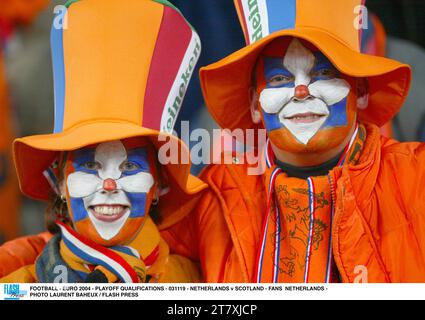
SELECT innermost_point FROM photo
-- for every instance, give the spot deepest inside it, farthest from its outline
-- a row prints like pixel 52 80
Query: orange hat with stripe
pixel 334 27
pixel 114 78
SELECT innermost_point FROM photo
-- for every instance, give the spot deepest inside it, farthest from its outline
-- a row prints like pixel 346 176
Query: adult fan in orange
pixel 338 202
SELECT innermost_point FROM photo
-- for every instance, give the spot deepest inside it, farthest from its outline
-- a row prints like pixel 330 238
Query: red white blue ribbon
pixel 309 248
pixel 95 254
pixel 329 263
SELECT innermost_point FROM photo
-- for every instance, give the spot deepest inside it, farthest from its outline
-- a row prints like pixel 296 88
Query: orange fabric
pixel 114 59
pixel 23 275
pixel 379 49
pixel 20 11
pixel 379 217
pixel 317 14
pixel 21 252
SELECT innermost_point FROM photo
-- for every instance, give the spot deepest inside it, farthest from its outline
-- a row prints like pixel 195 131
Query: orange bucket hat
pixel 121 69
pixel 334 27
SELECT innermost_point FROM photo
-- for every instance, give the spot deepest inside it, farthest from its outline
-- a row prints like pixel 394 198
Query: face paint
pixel 304 100
pixel 109 190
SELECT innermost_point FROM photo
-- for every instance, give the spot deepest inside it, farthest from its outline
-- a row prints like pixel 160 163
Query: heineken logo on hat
pixel 255 21
pixel 260 18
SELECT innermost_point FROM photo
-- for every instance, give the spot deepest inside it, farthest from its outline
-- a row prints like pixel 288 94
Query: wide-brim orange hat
pixel 121 69
pixel 334 27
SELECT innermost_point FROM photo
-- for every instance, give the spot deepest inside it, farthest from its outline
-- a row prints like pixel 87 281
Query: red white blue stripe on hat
pixel 95 254
pixel 170 74
pixel 259 18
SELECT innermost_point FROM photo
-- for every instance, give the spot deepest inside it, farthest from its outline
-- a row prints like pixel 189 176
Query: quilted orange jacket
pixel 379 220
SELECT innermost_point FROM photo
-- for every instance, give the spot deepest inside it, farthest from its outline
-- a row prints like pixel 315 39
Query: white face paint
pixel 300 62
pixel 108 208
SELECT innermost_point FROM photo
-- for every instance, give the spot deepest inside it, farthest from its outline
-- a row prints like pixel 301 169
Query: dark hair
pixel 56 210
pixel 56 207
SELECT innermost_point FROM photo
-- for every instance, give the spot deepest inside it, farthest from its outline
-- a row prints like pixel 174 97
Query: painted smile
pixel 108 213
pixel 308 117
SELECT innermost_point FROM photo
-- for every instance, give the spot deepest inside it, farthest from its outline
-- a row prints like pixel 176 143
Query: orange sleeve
pixel 21 252
pixel 25 274
pixel 406 162
pixel 413 191
pixel 182 237
pixel 203 235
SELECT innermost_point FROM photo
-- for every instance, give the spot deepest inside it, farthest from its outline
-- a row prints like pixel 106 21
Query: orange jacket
pixel 379 220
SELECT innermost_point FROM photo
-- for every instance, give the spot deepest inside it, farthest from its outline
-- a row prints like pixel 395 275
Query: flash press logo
pixel 13 292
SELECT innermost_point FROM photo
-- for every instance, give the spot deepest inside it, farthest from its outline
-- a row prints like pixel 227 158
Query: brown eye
pixel 279 80
pixel 92 165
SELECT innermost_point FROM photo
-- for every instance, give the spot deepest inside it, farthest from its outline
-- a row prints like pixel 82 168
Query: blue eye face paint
pixel 82 157
pixel 337 112
pixel 322 63
pixel 274 67
pixel 79 160
pixel 139 158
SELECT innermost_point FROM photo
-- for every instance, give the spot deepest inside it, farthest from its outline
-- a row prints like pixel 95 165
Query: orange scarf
pixel 296 241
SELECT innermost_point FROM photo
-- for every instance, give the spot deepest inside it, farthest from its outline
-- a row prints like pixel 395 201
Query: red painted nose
pixel 109 185
pixel 301 92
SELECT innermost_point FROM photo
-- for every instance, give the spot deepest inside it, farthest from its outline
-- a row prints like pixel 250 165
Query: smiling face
pixel 109 189
pixel 306 105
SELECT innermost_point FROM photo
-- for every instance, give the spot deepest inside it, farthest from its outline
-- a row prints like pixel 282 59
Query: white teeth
pixel 306 117
pixel 108 210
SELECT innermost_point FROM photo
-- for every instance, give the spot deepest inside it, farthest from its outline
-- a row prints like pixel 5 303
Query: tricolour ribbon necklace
pixel 115 259
pixel 270 162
